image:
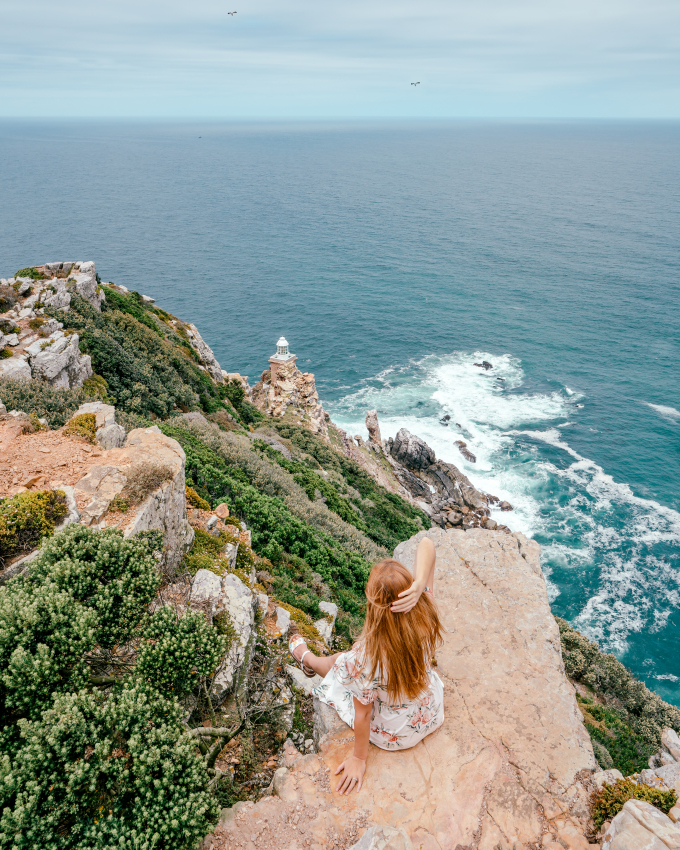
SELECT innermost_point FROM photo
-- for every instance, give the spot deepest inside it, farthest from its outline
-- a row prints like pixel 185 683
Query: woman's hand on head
pixel 407 599
pixel 354 769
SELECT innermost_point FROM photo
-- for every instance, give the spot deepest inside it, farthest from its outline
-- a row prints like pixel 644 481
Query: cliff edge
pixel 510 765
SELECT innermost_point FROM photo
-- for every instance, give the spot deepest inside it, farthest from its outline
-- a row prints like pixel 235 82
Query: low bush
pixel 143 479
pixel 57 406
pixel 6 353
pixel 608 802
pixel 90 760
pixel 27 517
pixel 30 271
pixel 96 387
pixel 195 500
pixel 632 701
pixel 615 743
pixel 83 426
pixel 106 770
pixel 177 651
pixel 8 298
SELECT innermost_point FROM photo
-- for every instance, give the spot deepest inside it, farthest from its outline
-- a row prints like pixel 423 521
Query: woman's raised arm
pixel 426 557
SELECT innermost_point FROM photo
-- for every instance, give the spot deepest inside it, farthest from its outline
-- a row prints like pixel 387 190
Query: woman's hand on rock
pixel 407 599
pixel 354 769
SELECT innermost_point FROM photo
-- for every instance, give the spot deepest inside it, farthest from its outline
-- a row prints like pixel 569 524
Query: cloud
pixel 304 58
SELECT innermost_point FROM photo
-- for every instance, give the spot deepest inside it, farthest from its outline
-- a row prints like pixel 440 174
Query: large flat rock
pixel 511 764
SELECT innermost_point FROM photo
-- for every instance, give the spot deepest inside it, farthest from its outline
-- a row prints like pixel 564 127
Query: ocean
pixel 394 256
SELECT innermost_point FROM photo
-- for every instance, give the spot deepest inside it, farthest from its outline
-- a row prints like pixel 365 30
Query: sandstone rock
pixel 324 626
pixel 59 299
pixel 58 361
pixel 641 825
pixel 505 506
pixel 670 742
pixel 16 368
pixel 109 434
pixel 282 622
pixel 606 777
pixel 373 427
pixel 670 773
pixel 98 488
pixel 512 732
pixel 86 284
pixel 222 511
pixel 165 509
pixel 262 603
pixel 674 813
pixel 383 837
pixel 301 681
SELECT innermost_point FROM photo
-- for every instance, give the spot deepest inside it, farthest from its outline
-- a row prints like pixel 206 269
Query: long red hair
pixel 398 647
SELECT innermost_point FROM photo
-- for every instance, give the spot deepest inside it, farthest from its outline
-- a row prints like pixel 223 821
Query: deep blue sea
pixel 394 256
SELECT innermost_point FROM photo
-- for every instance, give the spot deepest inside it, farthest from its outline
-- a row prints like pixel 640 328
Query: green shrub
pixel 57 406
pixel 177 651
pixel 143 359
pixel 83 426
pixel 119 505
pixel 616 741
pixel 609 801
pixel 106 771
pixel 195 500
pixel 30 271
pixel 96 387
pixel 6 353
pixel 641 709
pixel 102 571
pixel 27 517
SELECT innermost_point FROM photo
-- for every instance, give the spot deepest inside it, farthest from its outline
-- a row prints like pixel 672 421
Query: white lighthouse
pixel 283 357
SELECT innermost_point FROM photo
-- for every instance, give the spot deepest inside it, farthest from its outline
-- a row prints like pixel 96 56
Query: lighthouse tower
pixel 282 358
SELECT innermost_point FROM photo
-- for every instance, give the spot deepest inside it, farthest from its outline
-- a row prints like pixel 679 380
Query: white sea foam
pixel 666 412
pixel 596 534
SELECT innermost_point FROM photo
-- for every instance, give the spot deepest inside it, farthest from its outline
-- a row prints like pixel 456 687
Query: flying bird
pixel 416 84
pixel 231 13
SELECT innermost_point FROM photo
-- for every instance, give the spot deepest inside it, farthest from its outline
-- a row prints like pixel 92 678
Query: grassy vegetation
pixel 608 802
pixel 629 726
pixel 57 406
pixel 26 518
pixel 83 426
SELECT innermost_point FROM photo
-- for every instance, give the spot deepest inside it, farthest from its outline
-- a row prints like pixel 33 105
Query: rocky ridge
pixel 293 392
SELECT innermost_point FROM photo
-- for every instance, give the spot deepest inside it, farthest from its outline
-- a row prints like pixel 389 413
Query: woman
pixel 384 687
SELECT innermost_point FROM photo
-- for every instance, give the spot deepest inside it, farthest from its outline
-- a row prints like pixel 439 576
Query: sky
pixel 277 59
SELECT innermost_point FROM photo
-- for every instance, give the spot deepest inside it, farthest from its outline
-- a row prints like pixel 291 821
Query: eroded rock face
pixel 215 595
pixel 641 826
pixel 15 367
pixel 205 353
pixel 507 767
pixel 58 361
pixel 373 427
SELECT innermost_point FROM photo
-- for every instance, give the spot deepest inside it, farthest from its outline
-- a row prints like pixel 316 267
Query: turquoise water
pixel 394 257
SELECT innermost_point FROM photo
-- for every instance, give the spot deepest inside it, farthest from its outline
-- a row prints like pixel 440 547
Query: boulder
pixel 16 367
pixel 109 434
pixel 641 826
pixel 215 595
pixel 606 777
pixel 282 622
pixel 324 626
pixel 97 489
pixel 58 361
pixel 165 509
pixel 670 743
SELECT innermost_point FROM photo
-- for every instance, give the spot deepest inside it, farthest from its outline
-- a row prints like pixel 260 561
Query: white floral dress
pixel 393 727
